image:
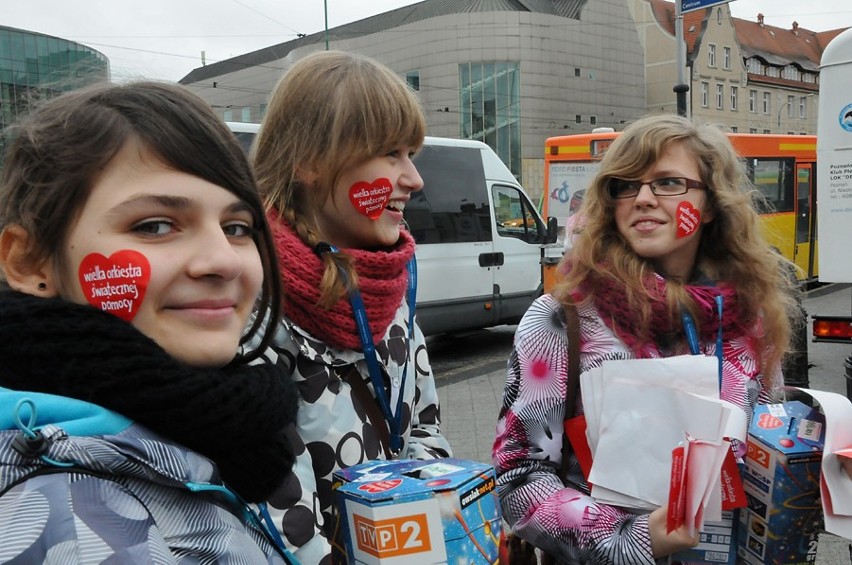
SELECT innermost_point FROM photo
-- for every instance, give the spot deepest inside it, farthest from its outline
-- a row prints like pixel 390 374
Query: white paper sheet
pixel 637 411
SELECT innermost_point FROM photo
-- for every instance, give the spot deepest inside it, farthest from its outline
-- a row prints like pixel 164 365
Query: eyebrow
pixel 169 201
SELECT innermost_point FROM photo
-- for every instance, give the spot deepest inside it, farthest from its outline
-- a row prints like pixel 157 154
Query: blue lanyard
pixel 692 335
pixel 394 418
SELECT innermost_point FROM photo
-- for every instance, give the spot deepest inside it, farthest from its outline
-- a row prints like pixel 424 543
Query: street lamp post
pixel 781 109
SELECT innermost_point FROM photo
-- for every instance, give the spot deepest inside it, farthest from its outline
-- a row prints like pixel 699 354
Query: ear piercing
pixel 42 286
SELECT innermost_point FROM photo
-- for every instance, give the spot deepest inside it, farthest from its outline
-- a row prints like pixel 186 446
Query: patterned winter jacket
pixel 564 520
pixel 335 430
pixel 108 490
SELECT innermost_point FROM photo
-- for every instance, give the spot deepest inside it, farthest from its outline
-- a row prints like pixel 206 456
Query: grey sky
pixel 164 39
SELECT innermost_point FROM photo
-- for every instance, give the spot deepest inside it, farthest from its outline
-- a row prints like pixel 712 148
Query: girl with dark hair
pixel 134 247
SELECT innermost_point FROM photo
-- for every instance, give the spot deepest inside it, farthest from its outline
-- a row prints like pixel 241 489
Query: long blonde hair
pixel 331 111
pixel 731 249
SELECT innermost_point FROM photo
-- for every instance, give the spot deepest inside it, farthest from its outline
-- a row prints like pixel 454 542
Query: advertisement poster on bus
pixel 568 182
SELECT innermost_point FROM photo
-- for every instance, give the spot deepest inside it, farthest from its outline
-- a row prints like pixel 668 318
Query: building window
pixel 734 93
pixel 752 102
pixel 766 131
pixel 413 80
pixel 720 96
pixel 752 130
pixel 754 66
pixel 490 103
pixel 578 72
pixel 790 101
pixel 726 58
pixel 803 107
pixel 578 119
pixel 246 115
pixel 593 120
pixel 773 72
pixel 791 72
pixel 228 116
pixel 705 94
pixel 711 55
pixel 734 129
pixel 767 102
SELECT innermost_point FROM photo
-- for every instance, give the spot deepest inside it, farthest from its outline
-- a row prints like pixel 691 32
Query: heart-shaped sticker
pixel 115 284
pixel 688 219
pixel 769 422
pixel 370 198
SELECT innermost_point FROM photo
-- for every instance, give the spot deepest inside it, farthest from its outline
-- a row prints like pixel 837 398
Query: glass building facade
pixel 491 108
pixel 34 66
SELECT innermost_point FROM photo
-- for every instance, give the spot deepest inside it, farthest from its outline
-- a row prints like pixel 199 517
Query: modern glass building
pixel 34 66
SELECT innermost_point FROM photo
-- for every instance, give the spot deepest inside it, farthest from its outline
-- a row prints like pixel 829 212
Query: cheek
pixel 688 219
pixel 621 215
pixel 369 198
pixel 116 284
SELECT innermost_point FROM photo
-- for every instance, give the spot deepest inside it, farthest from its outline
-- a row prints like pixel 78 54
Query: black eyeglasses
pixel 666 186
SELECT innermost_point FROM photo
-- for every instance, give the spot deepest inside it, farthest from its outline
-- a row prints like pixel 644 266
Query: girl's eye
pixel 154 227
pixel 238 230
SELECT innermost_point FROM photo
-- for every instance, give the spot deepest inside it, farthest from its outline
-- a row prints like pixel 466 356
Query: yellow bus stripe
pixel 797 146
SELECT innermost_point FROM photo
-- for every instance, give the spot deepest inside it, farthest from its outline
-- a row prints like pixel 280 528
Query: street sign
pixel 690 5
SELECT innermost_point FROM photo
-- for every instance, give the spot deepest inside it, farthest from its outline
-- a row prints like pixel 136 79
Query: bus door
pixel 805 248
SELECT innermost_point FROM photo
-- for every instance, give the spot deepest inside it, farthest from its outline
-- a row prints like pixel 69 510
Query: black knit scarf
pixel 235 415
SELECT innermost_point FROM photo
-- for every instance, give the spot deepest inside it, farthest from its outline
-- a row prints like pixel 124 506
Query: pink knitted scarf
pixel 382 280
pixel 610 302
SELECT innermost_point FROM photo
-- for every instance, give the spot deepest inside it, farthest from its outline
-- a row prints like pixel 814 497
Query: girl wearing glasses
pixel 669 226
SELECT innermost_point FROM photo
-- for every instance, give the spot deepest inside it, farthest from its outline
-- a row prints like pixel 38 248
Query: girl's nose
pixel 645 196
pixel 214 255
pixel 410 178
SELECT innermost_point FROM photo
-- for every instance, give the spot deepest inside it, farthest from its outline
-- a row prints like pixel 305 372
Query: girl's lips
pixel 647 224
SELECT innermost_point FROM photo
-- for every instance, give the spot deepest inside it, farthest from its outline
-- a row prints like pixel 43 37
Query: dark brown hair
pixel 57 153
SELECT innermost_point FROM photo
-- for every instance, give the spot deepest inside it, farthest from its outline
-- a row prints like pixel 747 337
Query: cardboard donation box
pixel 423 512
pixel 782 477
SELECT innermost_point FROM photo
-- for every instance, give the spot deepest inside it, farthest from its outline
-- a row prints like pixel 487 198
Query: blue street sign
pixel 690 5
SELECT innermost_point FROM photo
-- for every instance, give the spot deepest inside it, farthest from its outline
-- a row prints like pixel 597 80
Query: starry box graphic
pixel 395 512
pixel 781 478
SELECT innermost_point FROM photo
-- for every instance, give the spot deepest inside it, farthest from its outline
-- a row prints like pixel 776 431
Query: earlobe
pixel 21 272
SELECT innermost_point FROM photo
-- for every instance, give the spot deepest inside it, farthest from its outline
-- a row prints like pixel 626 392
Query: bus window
pixel 773 178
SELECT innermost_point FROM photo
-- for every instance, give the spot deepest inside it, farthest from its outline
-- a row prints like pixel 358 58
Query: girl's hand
pixel 664 543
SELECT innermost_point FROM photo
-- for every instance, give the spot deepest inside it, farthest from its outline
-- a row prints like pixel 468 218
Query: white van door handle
pixel 491 259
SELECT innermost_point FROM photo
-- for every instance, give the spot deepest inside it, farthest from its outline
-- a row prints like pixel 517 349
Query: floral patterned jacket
pixel 334 431
pixel 563 519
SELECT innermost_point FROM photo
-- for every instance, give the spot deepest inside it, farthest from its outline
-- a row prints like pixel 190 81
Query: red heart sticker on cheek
pixel 115 284
pixel 688 219
pixel 370 198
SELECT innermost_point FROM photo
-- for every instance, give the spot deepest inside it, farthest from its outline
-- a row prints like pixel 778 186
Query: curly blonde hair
pixel 331 111
pixel 732 248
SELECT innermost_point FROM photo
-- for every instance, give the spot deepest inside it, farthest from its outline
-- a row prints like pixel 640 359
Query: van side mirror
pixel 552 227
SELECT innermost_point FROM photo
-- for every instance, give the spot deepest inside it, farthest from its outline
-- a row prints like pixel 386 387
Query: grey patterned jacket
pixel 335 431
pixel 126 496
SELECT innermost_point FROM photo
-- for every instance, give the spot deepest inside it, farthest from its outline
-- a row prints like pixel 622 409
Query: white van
pixel 479 238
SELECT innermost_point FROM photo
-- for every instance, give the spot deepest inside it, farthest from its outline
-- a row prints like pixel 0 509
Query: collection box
pixel 423 512
pixel 781 479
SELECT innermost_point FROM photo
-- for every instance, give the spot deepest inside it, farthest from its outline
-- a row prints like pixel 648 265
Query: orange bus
pixel 782 168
